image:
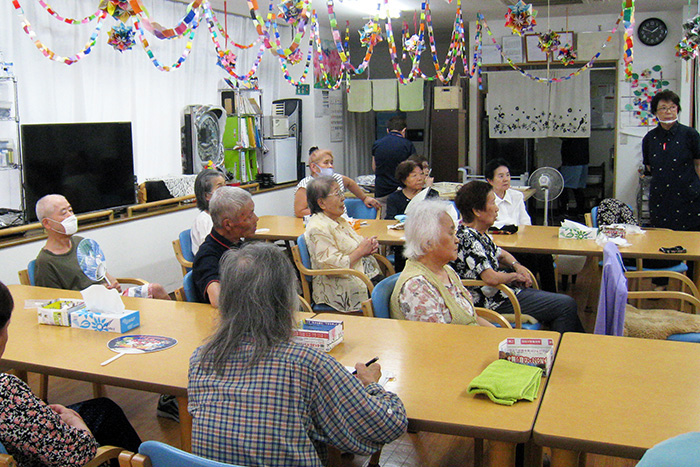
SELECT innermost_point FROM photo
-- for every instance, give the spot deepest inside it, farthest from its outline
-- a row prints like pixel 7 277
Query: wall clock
pixel 652 31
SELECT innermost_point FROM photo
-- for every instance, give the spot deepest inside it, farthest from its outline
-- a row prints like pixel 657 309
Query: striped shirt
pixel 286 408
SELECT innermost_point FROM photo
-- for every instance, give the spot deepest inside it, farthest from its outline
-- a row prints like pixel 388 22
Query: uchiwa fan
pixel 548 184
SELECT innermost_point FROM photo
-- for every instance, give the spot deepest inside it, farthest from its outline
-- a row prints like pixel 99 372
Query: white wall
pixel 149 254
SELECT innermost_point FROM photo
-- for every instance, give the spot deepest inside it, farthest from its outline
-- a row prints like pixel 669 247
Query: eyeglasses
pixel 338 193
pixel 671 108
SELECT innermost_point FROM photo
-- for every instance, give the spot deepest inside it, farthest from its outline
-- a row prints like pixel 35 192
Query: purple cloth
pixel 613 294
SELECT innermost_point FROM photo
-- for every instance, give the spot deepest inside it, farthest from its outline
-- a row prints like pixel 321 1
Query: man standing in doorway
pixel 387 153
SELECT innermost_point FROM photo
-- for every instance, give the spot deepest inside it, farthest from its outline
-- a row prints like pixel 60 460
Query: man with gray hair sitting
pixel 232 212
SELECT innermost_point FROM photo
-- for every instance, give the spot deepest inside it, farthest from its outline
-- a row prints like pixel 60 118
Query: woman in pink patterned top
pixel 428 289
pixel 37 434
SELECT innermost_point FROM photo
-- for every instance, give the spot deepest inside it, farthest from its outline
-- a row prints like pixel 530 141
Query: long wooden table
pixel 433 363
pixel 618 396
pixel 529 238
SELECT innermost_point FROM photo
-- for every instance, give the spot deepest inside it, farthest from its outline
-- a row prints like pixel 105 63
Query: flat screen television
pixel 91 164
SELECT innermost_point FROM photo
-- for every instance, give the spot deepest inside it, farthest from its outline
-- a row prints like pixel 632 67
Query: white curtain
pixel 359 137
pixel 108 85
pixel 519 107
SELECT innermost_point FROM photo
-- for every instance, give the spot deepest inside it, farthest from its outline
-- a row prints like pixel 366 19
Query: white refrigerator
pixel 281 159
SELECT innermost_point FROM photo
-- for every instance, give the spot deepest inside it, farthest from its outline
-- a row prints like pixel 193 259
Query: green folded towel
pixel 506 382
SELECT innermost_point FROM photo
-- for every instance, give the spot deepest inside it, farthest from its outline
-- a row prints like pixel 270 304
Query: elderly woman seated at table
pixel 512 211
pixel 479 258
pixel 38 434
pixel 334 244
pixel 321 163
pixel 428 289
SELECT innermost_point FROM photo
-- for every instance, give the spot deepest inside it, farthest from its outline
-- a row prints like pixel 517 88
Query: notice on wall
pixel 321 103
pixel 336 113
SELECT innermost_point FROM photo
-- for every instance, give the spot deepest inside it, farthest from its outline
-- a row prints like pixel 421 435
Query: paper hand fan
pixel 91 259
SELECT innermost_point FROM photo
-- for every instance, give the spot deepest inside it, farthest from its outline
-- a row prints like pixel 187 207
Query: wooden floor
pixel 419 449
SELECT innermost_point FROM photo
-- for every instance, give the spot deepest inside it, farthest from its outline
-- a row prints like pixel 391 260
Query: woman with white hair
pixel 321 163
pixel 428 289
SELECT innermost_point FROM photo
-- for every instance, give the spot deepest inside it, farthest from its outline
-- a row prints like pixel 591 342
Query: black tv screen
pixel 91 164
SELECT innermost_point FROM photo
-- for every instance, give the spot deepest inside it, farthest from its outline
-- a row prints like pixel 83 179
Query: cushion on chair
pixel 186 245
pixel 381 296
pixel 31 270
pixel 659 324
pixel 304 253
pixel 682 450
pixel 358 210
pixel 188 285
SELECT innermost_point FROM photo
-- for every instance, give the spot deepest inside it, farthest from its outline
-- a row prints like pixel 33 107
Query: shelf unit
pixel 243 136
pixel 11 174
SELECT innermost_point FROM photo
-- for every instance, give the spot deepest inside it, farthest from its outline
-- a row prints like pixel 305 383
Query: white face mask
pixel 70 225
pixel 325 171
pixel 669 121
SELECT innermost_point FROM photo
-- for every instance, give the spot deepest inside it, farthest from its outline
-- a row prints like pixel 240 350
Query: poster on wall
pixel 512 47
pixel 330 59
pixel 336 112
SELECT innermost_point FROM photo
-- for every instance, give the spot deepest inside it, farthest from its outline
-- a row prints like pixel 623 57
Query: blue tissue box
pixel 105 322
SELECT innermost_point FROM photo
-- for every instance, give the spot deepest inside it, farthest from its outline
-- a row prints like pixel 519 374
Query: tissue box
pixel 528 351
pixel 613 231
pixel 576 233
pixel 57 312
pixel 108 322
pixel 319 333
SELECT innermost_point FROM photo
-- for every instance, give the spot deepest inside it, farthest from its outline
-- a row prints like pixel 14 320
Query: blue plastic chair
pixel 682 450
pixel 188 285
pixel 183 251
pixel 358 210
pixel 31 270
pixel 381 296
pixel 163 455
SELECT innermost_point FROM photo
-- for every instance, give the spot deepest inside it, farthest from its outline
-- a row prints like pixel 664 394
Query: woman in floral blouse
pixel 479 258
pixel 334 244
pixel 428 289
pixel 37 434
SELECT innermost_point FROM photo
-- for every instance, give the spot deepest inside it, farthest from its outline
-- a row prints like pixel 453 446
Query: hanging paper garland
pixel 151 56
pixel 121 37
pixel 628 21
pixel 292 10
pixel 159 31
pixel 370 34
pixel 53 13
pixel 117 9
pixel 521 18
pixel 297 56
pixel 210 13
pixel 548 42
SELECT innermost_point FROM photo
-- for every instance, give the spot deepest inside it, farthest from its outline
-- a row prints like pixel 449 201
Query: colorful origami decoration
pixel 412 45
pixel 292 10
pixel 370 34
pixel 521 18
pixel 567 55
pixel 548 42
pixel 296 57
pixel 121 37
pixel 687 48
pixel 120 10
pixel 227 60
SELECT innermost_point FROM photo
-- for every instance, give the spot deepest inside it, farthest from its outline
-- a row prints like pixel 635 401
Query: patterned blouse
pixel 420 301
pixel 34 434
pixel 476 254
pixel 330 243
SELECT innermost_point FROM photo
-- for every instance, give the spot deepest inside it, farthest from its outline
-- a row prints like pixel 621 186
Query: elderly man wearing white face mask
pixel 58 264
pixel 321 163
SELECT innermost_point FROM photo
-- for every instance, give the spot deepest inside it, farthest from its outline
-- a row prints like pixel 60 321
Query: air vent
pixel 278 109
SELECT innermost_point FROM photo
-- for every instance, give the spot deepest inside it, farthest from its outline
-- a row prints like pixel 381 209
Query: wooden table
pixel 77 353
pixel 433 363
pixel 289 228
pixel 618 396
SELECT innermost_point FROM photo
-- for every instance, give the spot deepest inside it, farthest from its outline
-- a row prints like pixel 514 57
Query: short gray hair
pixel 258 300
pixel 423 226
pixel 226 203
pixel 203 185
pixel 318 188
pixel 45 206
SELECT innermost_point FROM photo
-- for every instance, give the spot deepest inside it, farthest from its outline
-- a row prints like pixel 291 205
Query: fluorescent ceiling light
pixel 372 7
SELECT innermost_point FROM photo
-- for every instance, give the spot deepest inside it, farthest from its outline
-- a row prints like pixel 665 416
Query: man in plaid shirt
pixel 257 398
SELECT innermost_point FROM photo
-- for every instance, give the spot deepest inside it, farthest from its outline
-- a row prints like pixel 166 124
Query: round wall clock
pixel 652 31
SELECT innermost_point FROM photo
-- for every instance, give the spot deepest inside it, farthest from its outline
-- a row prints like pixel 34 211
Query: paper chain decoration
pixel 297 13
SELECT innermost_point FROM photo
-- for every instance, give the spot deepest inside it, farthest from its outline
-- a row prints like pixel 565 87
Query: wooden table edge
pixel 573 444
pixel 473 431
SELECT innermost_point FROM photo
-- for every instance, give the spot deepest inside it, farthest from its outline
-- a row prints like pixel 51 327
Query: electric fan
pixel 202 132
pixel 548 184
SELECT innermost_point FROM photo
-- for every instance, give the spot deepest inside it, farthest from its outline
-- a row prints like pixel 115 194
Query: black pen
pixel 367 364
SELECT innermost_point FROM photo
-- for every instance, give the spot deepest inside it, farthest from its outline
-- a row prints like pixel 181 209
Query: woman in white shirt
pixel 512 211
pixel 206 183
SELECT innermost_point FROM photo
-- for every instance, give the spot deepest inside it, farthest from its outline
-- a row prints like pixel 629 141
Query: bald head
pixel 47 206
